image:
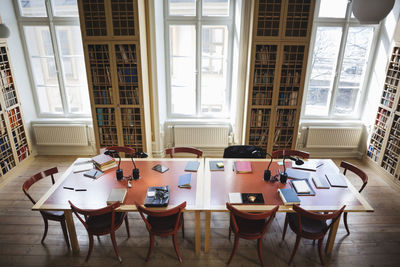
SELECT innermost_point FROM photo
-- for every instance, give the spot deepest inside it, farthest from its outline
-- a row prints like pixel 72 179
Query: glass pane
pixel 333 8
pixel 73 66
pixel 214 69
pixel 215 7
pixel 65 8
pixel 43 68
pixel 323 66
pixel 182 7
pixel 32 8
pixel 355 58
pixel 183 69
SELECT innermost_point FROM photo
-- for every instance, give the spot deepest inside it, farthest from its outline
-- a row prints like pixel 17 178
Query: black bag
pixel 244 152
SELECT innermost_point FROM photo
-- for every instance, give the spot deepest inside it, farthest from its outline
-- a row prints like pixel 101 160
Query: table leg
pixel 207 232
pixel 332 236
pixel 71 231
pixel 198 233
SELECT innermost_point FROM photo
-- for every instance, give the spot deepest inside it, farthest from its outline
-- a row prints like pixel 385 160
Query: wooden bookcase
pixel 14 142
pixel 281 36
pixel 111 43
pixel 384 147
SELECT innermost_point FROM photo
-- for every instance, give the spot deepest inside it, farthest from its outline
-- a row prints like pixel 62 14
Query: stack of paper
pixel 301 186
pixel 116 195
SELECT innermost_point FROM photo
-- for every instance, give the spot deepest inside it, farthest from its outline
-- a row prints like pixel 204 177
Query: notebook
pixel 288 196
pixel 307 165
pixel 243 166
pixel 116 195
pixel 216 166
pixel 235 198
pixel 336 179
pixel 297 174
pixel 184 180
pixel 93 173
pixel 83 167
pixel 192 166
pixel 320 182
pixel 301 186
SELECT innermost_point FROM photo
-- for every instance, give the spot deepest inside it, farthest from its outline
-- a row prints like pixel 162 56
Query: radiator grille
pixel 61 134
pixel 327 137
pixel 201 135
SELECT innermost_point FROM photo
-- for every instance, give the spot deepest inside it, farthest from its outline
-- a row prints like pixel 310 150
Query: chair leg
pixel 90 247
pixel 127 225
pixel 296 246
pixel 183 227
pixel 230 231
pixel 285 227
pixel 114 242
pixel 259 246
pixel 150 247
pixel 64 229
pixel 345 222
pixel 176 247
pixel 235 246
pixel 46 226
pixel 321 256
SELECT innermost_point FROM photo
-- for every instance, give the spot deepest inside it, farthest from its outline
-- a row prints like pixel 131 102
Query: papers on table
pixel 336 179
pixel 307 165
pixel 235 198
pixel 83 167
pixel 301 186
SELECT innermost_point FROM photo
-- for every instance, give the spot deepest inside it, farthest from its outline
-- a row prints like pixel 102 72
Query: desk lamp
pixel 283 174
pixel 135 171
pixel 118 172
pixel 267 172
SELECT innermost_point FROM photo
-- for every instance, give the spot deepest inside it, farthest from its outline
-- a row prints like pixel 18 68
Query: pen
pixel 70 188
pixel 95 173
pixel 80 189
pixel 319 165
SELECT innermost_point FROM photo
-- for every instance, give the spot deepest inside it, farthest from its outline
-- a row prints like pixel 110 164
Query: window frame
pixel 51 21
pixel 198 21
pixel 345 24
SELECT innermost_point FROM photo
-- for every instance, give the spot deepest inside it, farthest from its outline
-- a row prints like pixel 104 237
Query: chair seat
pixel 100 222
pixel 163 224
pixel 249 227
pixel 308 225
pixel 54 215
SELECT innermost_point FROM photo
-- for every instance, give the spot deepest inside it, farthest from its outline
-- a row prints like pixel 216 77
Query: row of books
pixel 126 53
pixel 260 118
pixel 103 95
pixel 262 98
pixel 127 75
pixel 286 118
pixel 5 77
pixel 264 77
pixel 101 76
pixel 104 162
pixel 288 98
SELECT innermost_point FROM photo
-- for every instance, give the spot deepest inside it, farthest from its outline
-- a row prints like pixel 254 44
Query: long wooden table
pixel 98 190
pixel 218 185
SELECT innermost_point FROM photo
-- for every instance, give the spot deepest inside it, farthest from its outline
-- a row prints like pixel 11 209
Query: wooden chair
pixel 363 176
pixel 244 151
pixel 47 215
pixel 122 149
pixel 309 225
pixel 163 223
pixel 171 151
pixel 101 222
pixel 249 226
pixel 290 152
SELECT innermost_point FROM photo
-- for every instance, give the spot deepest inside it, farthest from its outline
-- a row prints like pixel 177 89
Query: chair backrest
pixel 161 213
pixel 250 217
pixel 122 149
pixel 360 173
pixel 38 176
pixel 317 216
pixel 244 151
pixel 290 152
pixel 171 151
pixel 95 212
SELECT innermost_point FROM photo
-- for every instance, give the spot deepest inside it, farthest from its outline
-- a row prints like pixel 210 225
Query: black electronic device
pixel 267 172
pixel 160 168
pixel 157 196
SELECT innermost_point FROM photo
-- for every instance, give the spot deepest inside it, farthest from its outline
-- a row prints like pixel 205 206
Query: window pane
pixel 44 70
pixel 215 7
pixel 73 66
pixel 183 67
pixel 333 8
pixel 182 7
pixel 355 58
pixel 323 66
pixel 214 69
pixel 32 8
pixel 65 8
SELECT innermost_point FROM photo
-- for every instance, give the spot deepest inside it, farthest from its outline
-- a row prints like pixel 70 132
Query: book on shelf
pixel 288 196
pixel 116 195
pixel 184 180
pixel 242 166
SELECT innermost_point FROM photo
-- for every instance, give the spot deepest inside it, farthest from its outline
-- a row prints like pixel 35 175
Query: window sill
pixel 330 123
pixel 87 121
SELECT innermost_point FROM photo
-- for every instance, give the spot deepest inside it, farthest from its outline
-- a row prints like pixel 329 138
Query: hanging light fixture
pixel 4 31
pixel 371 11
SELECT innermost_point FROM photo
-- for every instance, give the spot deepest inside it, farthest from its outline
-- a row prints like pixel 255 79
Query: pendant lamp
pixel 372 11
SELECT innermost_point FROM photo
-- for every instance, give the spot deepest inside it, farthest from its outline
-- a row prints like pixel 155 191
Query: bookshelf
pixel 281 36
pixel 384 145
pixel 14 143
pixel 111 40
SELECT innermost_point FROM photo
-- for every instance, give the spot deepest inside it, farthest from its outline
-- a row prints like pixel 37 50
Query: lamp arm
pixel 270 162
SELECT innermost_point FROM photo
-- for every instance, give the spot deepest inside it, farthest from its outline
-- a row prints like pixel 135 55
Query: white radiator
pixel 328 137
pixel 61 134
pixel 201 135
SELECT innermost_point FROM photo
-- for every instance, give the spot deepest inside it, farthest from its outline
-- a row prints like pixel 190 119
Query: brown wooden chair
pixel 290 152
pixel 249 226
pixel 47 215
pixel 309 225
pixel 191 150
pixel 163 223
pixel 101 222
pixel 363 176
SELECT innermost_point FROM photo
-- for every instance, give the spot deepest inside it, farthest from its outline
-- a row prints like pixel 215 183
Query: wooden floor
pixel 374 238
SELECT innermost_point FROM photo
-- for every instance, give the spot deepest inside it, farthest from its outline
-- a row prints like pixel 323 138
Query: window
pixel 53 42
pixel 339 64
pixel 198 49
